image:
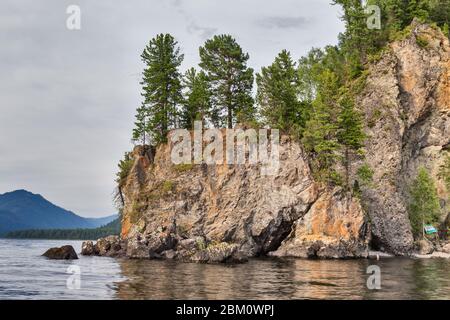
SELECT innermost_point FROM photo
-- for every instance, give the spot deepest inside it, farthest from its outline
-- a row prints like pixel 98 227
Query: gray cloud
pixel 284 22
pixel 68 98
pixel 204 32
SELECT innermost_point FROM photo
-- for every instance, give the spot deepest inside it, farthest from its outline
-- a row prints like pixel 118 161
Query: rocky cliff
pixel 189 211
pixel 222 213
pixel 406 103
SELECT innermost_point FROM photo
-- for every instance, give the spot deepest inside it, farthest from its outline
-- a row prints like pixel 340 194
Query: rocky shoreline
pixel 196 251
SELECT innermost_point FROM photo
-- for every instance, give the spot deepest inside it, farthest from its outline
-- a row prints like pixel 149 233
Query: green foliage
pixel 141 126
pixel 422 42
pixel 320 135
pixel 112 228
pixel 184 167
pixel 444 173
pixel 201 244
pixel 277 95
pixel 167 187
pixel 365 174
pixel 440 13
pixel 125 165
pixel 230 80
pixel 350 134
pixel 424 205
pixel 197 102
pixel 161 85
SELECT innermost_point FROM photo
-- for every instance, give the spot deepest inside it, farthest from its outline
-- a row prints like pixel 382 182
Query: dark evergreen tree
pixel 424 207
pixel 350 134
pixel 320 135
pixel 141 128
pixel 197 102
pixel 230 79
pixel 161 85
pixel 277 94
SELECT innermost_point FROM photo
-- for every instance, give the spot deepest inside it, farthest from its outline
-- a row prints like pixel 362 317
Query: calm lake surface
pixel 24 274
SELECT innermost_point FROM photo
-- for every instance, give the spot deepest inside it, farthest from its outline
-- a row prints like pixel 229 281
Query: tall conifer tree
pixel 161 84
pixel 231 81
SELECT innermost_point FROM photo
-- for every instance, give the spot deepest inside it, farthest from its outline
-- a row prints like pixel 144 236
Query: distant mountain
pixel 23 210
pixel 110 229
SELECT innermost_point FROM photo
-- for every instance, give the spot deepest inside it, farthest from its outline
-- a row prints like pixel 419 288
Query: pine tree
pixel 418 9
pixel 161 84
pixel 277 94
pixel 357 38
pixel 350 134
pixel 230 79
pixel 440 12
pixel 424 207
pixel 141 129
pixel 197 102
pixel 320 135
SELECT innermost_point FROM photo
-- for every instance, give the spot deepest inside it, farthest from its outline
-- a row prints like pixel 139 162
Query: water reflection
pixel 284 279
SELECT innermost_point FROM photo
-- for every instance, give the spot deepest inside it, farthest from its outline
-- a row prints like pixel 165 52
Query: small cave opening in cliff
pixel 375 243
pixel 273 242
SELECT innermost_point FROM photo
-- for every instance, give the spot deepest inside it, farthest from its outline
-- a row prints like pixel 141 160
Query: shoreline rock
pixel 62 253
pixel 434 255
pixel 111 246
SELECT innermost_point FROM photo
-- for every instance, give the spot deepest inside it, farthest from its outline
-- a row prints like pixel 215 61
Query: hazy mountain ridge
pixel 21 209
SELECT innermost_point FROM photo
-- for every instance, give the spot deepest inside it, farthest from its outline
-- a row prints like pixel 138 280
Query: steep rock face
pixel 406 102
pixel 334 227
pixel 228 212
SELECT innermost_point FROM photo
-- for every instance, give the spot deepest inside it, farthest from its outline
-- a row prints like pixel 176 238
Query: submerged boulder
pixel 63 253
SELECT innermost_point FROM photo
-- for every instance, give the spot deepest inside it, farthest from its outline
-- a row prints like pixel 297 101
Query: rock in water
pixel 63 253
pixel 110 246
pixel 87 248
pixel 424 247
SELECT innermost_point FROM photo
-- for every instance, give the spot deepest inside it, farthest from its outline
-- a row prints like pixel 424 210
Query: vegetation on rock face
pixel 125 166
pixel 424 206
pixel 444 173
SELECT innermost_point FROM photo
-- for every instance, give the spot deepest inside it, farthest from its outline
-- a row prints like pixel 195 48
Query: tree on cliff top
pixel 161 85
pixel 230 79
pixel 424 207
pixel 197 101
pixel 141 128
pixel 278 94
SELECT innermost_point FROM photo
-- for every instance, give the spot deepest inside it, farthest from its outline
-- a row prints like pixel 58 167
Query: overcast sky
pixel 68 98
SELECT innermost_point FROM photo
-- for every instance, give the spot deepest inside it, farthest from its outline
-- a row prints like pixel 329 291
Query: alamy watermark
pixel 73 282
pixel 374 280
pixel 227 146
pixel 73 21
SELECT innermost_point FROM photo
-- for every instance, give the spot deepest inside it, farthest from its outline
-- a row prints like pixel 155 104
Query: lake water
pixel 25 274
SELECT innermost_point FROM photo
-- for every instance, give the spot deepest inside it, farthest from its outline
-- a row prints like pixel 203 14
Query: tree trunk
pixel 230 118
